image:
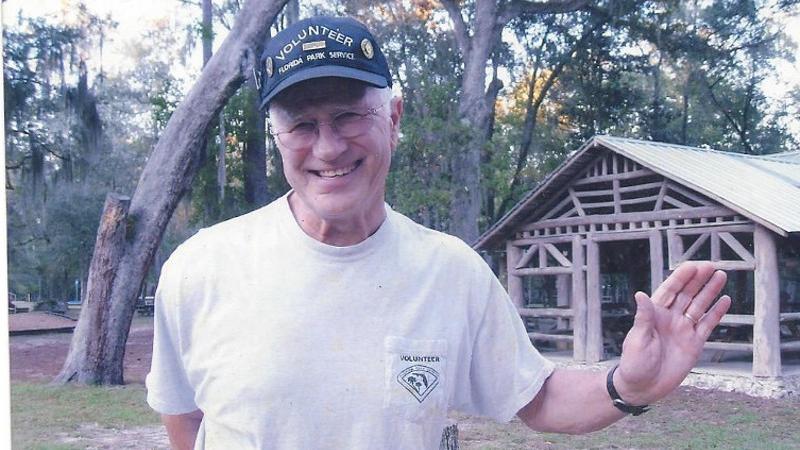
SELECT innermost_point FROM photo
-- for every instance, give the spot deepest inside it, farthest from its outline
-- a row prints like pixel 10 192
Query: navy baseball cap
pixel 318 47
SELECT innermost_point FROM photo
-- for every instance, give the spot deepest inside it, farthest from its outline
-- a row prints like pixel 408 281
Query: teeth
pixel 337 172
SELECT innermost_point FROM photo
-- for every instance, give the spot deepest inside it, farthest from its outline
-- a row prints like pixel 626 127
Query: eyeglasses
pixel 348 125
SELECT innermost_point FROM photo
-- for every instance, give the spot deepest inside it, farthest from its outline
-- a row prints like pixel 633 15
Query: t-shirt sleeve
pixel 506 370
pixel 168 387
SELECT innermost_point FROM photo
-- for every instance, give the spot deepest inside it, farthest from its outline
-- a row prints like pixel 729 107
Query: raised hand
pixel 668 332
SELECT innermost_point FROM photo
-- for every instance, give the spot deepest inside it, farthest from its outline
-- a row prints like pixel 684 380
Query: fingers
pixel 703 299
pixel 665 294
pixel 713 316
pixel 685 282
pixel 643 323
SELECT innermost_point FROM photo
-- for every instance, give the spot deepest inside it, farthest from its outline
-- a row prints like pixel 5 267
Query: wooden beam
pixel 562 301
pixel 766 326
pixel 718 227
pixel 640 187
pixel 537 240
pixel 675 246
pixel 656 259
pixel 736 246
pixel 577 202
pixel 526 257
pixel 569 213
pixel 617 197
pixel 737 319
pixel 556 253
pixel 531 271
pixel 661 193
pixel 515 287
pixel 594 321
pixel 546 312
pixel 790 345
pixel 637 200
pixel 551 337
pixel 675 202
pixel 733 265
pixel 542 256
pixel 705 211
pixel 578 299
pixel 687 255
pixel 559 206
pixel 621 235
pixel 715 250
pixel 787 317
pixel 618 176
pixel 686 193
pixel 729 346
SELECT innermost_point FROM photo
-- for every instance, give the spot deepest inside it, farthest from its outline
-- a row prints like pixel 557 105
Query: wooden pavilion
pixel 619 214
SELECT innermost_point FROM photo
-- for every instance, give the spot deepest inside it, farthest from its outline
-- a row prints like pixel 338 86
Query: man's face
pixel 336 178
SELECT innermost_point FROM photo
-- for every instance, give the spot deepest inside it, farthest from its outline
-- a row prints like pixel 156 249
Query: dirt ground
pixel 39 357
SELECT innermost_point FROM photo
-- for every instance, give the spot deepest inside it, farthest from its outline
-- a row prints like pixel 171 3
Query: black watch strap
pixel 618 401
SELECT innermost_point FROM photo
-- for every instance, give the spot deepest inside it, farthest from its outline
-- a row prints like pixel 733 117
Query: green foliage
pixel 63 152
pixel 684 72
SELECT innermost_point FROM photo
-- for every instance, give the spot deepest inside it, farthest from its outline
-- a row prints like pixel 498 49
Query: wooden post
pixel 578 300
pixel 675 245
pixel 562 300
pixel 594 318
pixel 766 323
pixel 515 288
pixel 656 260
pixel 449 438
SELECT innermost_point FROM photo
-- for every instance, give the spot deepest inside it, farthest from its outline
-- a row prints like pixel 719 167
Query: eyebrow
pixel 294 115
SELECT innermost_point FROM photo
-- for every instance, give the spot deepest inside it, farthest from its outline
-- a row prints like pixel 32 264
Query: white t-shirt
pixel 287 343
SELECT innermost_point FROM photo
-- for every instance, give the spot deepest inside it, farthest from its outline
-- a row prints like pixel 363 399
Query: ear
pixel 396 113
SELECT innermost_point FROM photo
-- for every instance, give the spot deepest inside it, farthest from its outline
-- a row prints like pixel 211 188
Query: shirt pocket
pixel 416 382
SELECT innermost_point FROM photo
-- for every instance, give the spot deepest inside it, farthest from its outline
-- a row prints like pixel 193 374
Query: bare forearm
pixel 571 401
pixel 182 429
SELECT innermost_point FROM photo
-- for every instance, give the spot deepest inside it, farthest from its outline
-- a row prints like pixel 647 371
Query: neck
pixel 338 231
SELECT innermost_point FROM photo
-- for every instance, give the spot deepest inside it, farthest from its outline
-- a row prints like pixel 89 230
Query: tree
pixel 167 175
pixel 475 41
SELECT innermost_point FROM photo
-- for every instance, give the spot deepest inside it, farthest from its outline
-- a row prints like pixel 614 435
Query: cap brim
pixel 326 71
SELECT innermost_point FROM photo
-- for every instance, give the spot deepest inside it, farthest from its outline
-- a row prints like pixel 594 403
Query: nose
pixel 329 145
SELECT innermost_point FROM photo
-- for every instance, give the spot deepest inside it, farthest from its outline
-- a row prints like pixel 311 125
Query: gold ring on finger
pixel 688 316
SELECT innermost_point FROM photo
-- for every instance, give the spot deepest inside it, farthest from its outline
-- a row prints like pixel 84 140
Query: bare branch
pixel 459 26
pixel 516 8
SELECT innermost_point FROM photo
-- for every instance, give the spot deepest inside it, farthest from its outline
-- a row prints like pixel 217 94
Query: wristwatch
pixel 618 401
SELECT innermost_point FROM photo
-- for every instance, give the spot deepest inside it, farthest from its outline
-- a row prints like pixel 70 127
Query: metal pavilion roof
pixel 766 189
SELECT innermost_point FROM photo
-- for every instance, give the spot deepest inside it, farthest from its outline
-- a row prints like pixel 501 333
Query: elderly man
pixel 328 320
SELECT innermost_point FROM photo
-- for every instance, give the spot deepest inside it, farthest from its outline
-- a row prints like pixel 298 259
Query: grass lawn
pixel 73 417
pixel 45 417
pixel 687 419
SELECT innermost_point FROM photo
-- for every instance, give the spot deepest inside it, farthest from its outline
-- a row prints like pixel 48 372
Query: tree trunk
pixel 94 362
pixel 222 174
pixel 489 19
pixel 168 173
pixel 473 112
pixel 256 193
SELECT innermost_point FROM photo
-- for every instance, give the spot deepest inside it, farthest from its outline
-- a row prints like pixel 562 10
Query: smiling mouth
pixel 340 172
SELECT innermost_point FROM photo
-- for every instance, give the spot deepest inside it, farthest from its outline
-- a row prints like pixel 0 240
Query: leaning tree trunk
pixel 168 173
pixel 91 362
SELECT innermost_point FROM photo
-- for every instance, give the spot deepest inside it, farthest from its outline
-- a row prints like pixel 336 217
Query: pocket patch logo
pixel 419 380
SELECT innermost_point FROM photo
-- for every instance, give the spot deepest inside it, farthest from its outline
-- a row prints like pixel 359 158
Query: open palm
pixel 669 330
